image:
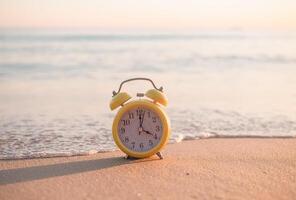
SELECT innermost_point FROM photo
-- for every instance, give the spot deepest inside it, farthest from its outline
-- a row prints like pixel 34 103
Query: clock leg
pixel 127 157
pixel 159 155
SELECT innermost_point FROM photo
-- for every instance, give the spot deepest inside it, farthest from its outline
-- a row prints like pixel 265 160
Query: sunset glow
pixel 154 14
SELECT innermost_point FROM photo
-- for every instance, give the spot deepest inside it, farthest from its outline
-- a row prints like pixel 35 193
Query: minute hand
pixel 142 119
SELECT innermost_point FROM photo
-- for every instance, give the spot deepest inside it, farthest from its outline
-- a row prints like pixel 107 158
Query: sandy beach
pixel 250 168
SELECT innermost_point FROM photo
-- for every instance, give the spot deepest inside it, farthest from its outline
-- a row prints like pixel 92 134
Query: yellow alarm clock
pixel 141 128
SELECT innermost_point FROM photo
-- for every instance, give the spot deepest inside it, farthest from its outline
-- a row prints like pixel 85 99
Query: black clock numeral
pixel 153 119
pixel 149 114
pixel 150 143
pixel 126 122
pixel 126 139
pixel 122 130
pixel 133 145
pixel 139 112
pixel 155 136
pixel 131 115
pixel 157 128
pixel 141 145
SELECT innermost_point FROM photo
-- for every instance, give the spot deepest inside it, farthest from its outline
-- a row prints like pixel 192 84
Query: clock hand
pixel 147 132
pixel 142 120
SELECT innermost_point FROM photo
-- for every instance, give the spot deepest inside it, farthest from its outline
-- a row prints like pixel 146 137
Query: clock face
pixel 140 129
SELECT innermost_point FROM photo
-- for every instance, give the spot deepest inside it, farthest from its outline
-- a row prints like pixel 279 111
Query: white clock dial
pixel 140 129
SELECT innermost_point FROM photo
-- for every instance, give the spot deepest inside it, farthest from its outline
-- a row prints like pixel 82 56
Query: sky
pixel 149 14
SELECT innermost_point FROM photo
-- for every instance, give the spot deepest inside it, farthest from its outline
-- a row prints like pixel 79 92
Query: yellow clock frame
pixel 164 121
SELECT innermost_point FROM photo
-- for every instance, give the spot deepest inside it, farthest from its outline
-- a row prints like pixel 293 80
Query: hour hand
pixel 147 132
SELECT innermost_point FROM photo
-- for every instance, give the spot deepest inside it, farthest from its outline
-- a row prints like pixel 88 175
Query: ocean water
pixel 55 86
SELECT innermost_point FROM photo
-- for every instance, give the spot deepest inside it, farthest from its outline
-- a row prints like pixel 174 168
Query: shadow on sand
pixel 10 176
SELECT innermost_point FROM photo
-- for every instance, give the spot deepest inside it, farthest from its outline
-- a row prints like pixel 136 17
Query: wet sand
pixel 250 168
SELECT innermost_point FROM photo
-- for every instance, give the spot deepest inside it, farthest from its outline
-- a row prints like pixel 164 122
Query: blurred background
pixel 227 67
